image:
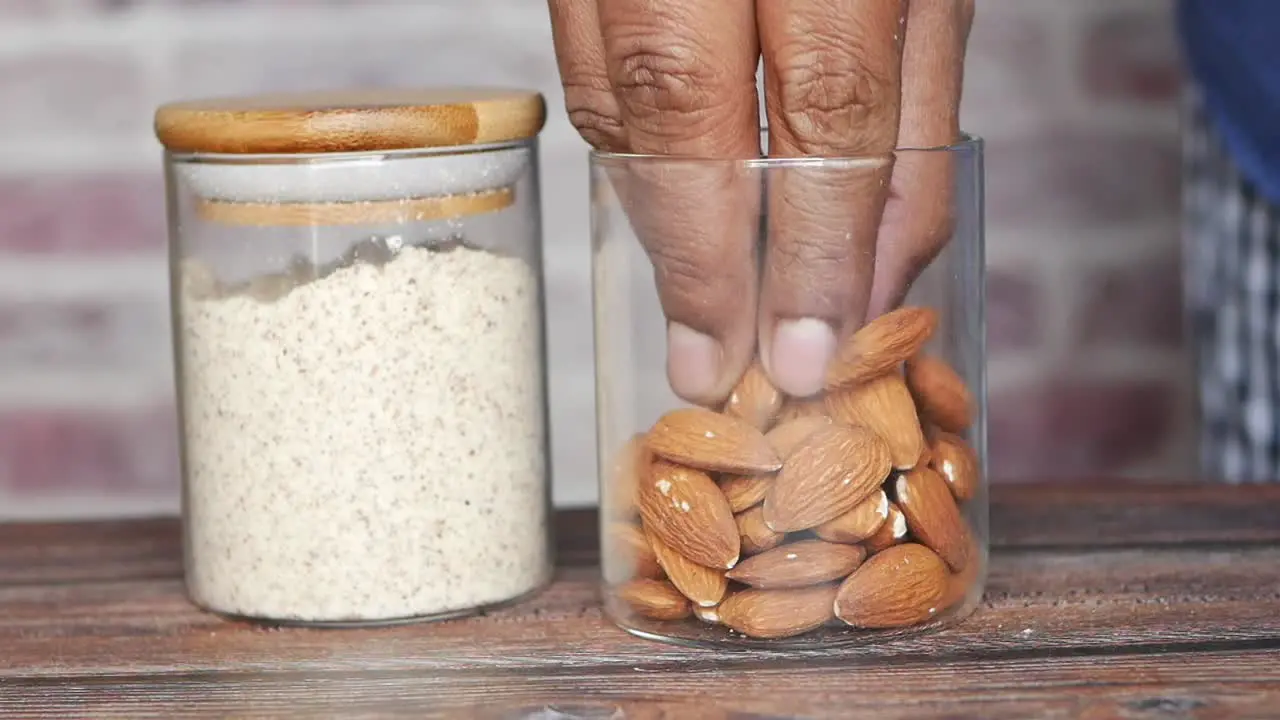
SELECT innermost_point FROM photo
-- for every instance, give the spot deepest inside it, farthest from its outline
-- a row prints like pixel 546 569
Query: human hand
pixel 843 78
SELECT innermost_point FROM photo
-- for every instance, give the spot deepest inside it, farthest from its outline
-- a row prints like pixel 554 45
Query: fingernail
pixel 693 361
pixel 799 356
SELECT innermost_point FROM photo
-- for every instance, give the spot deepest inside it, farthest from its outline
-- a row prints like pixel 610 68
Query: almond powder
pixel 367 445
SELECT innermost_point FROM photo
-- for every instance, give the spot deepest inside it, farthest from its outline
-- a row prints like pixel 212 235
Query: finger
pixel 918 216
pixel 832 88
pixel 683 72
pixel 588 97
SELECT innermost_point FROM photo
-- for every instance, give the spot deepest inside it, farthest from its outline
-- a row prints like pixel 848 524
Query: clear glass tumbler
pixel 791 399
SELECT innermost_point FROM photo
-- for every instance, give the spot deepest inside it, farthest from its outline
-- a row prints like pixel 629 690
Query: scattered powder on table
pixel 369 444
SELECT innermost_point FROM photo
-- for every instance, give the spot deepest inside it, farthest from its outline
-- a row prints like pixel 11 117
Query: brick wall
pixel 1076 99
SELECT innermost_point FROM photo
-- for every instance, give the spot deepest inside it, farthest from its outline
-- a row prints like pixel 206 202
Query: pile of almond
pixel 775 516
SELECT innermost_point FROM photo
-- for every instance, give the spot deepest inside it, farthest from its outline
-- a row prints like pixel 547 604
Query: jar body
pixel 851 514
pixel 360 371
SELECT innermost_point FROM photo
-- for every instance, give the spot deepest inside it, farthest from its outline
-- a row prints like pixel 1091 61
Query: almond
pixel 744 491
pixel 709 615
pixel 755 536
pixel 785 437
pixel 794 408
pixel 957 463
pixel 859 523
pixel 683 507
pixel 836 468
pixel 940 392
pixel 707 440
pixel 933 516
pixel 799 564
pixel 878 347
pixel 892 532
pixel 885 407
pixel 901 586
pixel 755 399
pixel 628 545
pixel 775 614
pixel 630 464
pixel 961 583
pixel 702 585
pixel 655 599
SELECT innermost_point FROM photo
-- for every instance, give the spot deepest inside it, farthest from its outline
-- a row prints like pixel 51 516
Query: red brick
pixel 1074 179
pixel 122 335
pixel 1066 429
pixel 1140 303
pixel 1132 55
pixel 51 453
pixel 1014 309
pixel 94 214
pixel 73 94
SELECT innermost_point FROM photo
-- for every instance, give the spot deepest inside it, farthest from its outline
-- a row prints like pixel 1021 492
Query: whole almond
pixel 859 523
pixel 755 536
pixel 956 462
pixel 932 515
pixel 627 544
pixel 835 469
pixel 630 464
pixel 880 345
pixel 940 392
pixel 961 583
pixel 884 406
pixel 892 532
pixel 795 408
pixel 776 614
pixel 798 564
pixel 707 440
pixel 755 399
pixel 702 585
pixel 683 507
pixel 901 586
pixel 744 491
pixel 655 599
pixel 785 437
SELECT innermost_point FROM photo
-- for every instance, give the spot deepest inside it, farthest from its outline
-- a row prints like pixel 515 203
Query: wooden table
pixel 1105 600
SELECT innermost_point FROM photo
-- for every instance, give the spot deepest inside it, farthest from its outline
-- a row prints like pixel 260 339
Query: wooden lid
pixel 352 121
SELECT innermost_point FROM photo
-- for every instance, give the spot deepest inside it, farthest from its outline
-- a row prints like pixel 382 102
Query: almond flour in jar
pixel 359 345
pixel 366 446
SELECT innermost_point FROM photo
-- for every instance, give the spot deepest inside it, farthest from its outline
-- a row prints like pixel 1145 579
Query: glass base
pixel 694 633
pixel 375 622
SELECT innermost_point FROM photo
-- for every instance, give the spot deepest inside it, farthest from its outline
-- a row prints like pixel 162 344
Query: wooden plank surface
pixel 1211 685
pixel 1104 600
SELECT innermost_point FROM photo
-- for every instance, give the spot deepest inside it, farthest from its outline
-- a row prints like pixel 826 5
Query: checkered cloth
pixel 1231 261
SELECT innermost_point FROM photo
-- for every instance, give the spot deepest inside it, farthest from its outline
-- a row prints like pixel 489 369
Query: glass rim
pixel 968 142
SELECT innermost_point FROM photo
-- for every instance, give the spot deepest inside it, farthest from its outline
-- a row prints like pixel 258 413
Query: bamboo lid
pixel 350 121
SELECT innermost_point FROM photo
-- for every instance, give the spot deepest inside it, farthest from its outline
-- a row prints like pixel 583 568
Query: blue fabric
pixel 1232 50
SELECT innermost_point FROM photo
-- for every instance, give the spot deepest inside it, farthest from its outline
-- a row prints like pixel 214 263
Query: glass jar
pixel 790 395
pixel 358 325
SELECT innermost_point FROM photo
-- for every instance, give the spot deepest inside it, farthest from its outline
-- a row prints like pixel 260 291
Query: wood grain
pixel 1111 513
pixel 350 121
pixel 1103 601
pixel 1215 685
